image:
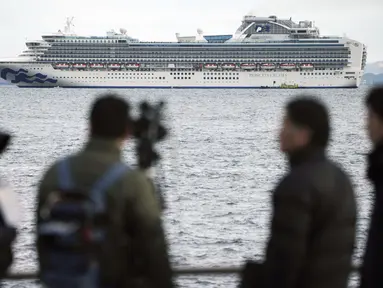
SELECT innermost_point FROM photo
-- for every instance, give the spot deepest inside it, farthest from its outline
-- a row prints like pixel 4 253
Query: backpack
pixel 72 230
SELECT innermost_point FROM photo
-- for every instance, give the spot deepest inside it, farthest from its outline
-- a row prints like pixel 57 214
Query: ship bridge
pixel 254 27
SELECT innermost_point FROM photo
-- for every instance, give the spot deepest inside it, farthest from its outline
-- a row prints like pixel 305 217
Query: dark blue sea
pixel 220 164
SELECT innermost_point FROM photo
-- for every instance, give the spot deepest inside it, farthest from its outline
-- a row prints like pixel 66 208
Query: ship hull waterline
pixel 45 76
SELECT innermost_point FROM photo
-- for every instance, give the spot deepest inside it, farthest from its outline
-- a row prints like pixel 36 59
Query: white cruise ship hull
pixel 33 75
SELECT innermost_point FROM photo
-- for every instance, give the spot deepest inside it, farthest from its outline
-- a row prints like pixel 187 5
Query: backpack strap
pixel 65 178
pixel 98 190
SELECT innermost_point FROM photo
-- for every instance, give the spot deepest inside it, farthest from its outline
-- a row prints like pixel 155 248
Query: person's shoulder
pixel 140 190
pixel 50 171
pixel 338 168
pixel 136 176
pixel 294 182
pixel 334 170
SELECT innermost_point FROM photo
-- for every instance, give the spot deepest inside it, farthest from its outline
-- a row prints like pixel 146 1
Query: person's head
pixel 306 123
pixel 374 103
pixel 109 118
pixel 4 141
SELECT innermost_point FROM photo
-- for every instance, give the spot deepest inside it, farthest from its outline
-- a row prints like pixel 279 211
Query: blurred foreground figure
pixel 371 275
pixel 98 221
pixel 314 210
pixel 9 217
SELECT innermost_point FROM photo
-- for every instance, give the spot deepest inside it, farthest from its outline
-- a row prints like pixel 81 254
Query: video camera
pixel 148 130
pixel 4 141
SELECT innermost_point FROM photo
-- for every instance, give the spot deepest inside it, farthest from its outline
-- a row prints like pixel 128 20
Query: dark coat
pixel 371 274
pixel 7 238
pixel 313 225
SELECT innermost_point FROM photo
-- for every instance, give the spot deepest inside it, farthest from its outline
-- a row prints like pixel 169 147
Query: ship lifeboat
pixel 79 66
pixel 307 66
pixel 248 66
pixel 268 66
pixel 287 66
pixel 114 66
pixel 62 65
pixel 211 66
pixel 96 66
pixel 228 66
pixel 132 66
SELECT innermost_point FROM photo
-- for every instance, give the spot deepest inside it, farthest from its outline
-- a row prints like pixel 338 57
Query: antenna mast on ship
pixel 69 23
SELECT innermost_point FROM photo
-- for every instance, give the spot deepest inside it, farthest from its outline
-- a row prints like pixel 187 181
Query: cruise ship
pixel 264 52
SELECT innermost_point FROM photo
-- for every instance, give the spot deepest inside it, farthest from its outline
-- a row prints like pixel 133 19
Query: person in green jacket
pixel 136 247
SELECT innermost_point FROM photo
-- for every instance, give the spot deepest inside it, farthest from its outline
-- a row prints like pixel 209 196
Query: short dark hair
pixel 374 101
pixel 109 117
pixel 310 113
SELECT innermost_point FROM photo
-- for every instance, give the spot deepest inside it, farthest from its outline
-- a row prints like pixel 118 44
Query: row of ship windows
pixel 221 78
pixel 218 73
pixel 194 48
pixel 208 78
pixel 160 78
pixel 207 56
pixel 84 41
pixel 182 73
pixel 198 61
pixel 164 49
pixel 197 52
pixel 322 73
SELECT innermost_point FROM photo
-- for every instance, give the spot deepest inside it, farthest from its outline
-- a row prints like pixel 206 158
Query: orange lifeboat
pixel 228 66
pixel 114 66
pixel 248 66
pixel 79 66
pixel 96 66
pixel 307 66
pixel 132 66
pixel 287 66
pixel 268 66
pixel 211 66
pixel 62 65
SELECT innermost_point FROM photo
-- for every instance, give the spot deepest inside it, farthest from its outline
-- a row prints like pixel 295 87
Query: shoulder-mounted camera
pixel 148 130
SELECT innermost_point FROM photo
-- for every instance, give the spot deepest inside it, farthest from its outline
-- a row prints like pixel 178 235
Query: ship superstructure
pixel 264 52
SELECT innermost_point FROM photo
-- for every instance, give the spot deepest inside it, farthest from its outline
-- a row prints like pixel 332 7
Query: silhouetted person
pixel 98 220
pixel 9 216
pixel 371 274
pixel 314 210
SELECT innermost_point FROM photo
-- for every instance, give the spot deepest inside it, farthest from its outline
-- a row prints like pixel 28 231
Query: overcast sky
pixel 157 20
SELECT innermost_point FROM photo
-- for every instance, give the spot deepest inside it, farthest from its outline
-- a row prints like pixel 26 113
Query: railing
pixel 177 271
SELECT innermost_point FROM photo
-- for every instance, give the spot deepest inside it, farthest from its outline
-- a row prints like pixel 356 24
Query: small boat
pixel 79 66
pixel 62 65
pixel 114 66
pixel 211 66
pixel 96 66
pixel 287 66
pixel 268 66
pixel 248 66
pixel 289 86
pixel 307 66
pixel 132 66
pixel 228 66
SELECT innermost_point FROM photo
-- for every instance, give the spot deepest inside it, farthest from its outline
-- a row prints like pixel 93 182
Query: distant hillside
pixel 374 68
pixel 372 79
